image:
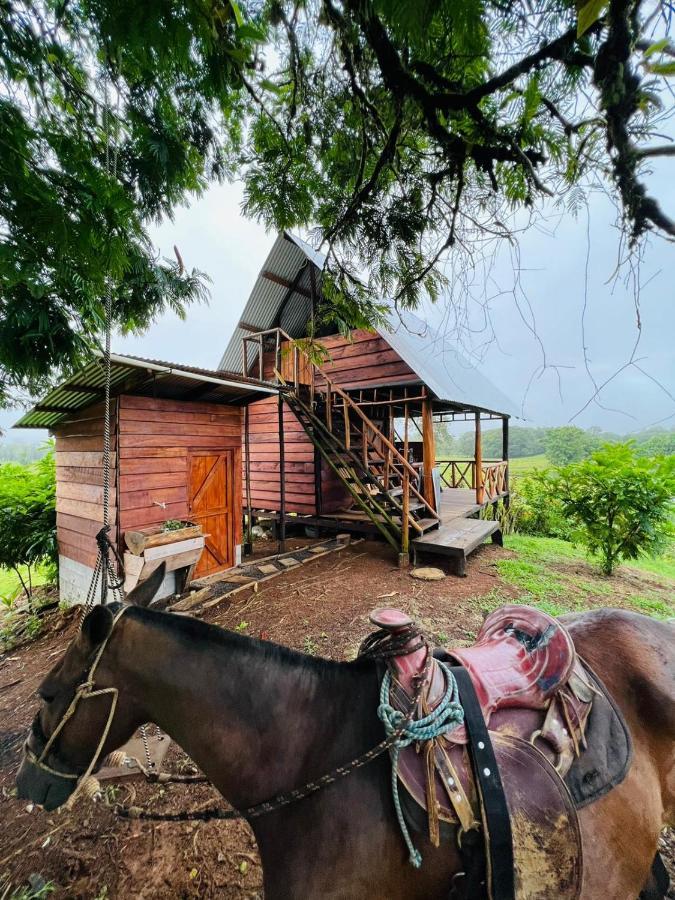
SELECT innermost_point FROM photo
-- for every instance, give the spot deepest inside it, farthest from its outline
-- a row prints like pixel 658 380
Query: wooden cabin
pixel 345 442
pixel 349 444
pixel 175 455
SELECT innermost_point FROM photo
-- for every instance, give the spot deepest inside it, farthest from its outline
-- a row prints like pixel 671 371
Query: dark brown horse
pixel 260 719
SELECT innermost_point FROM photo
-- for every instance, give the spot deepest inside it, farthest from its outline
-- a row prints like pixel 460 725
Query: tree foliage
pixel 620 505
pixel 28 516
pixel 406 134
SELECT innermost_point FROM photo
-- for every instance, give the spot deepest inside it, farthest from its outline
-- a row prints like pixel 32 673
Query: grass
pixel 521 465
pixel 10 584
pixel 557 577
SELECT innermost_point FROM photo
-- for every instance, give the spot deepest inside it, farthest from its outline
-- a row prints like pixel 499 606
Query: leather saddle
pixel 536 698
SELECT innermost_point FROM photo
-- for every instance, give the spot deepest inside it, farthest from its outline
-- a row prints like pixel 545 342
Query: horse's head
pixel 85 712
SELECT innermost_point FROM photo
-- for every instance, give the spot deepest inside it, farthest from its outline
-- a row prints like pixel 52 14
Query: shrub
pixel 539 509
pixel 28 517
pixel 619 504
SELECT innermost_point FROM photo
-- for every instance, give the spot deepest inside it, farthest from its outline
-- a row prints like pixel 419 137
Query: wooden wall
pixel 79 484
pixel 155 437
pixel 150 444
pixel 366 361
pixel 265 463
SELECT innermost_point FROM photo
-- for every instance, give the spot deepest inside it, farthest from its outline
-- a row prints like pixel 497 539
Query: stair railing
pixel 393 459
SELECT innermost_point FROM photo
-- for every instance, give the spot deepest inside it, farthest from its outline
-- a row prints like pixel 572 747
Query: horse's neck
pixel 255 724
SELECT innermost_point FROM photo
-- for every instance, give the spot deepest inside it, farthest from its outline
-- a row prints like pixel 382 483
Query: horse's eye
pixel 46 694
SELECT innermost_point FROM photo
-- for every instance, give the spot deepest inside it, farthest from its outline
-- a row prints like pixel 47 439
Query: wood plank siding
pixel 157 439
pixel 153 441
pixel 79 483
pixel 366 360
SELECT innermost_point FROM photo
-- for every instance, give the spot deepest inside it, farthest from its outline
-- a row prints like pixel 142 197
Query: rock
pixel 428 573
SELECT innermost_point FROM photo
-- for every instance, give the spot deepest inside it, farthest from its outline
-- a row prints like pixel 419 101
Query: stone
pixel 428 573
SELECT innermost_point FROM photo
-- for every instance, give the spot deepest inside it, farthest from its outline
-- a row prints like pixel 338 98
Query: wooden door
pixel 211 505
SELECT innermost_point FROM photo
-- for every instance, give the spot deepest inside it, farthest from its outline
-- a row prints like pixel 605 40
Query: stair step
pixel 428 524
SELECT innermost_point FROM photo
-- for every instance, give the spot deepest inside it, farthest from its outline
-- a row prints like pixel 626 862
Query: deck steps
pixel 456 539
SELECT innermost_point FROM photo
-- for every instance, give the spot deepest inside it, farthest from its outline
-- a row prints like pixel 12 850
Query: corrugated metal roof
pixel 428 353
pixel 288 257
pixel 440 365
pixel 138 375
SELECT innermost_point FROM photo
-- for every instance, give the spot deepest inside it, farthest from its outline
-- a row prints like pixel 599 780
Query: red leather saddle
pixel 536 699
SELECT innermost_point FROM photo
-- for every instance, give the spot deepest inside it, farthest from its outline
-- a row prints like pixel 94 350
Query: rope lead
pixel 447 716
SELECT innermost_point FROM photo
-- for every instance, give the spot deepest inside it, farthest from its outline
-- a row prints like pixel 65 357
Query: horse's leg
pixel 634 658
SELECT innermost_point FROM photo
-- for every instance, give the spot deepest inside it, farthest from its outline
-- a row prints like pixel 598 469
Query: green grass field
pixel 558 577
pixel 523 464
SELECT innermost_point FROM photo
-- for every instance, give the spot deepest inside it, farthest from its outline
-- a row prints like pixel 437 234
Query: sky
pixel 213 236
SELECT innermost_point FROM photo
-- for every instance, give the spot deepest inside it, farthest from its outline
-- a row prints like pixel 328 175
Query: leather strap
pixel 499 874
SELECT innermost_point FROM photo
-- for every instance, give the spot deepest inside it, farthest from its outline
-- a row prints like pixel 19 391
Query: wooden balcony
pixel 489 485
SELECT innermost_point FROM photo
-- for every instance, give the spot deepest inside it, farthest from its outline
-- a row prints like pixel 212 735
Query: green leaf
pixel 250 32
pixel 588 14
pixel 662 68
pixel 657 47
pixel 239 19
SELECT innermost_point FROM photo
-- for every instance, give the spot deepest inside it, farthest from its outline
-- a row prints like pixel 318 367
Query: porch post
pixel 429 450
pixel 478 457
pixel 282 477
pixel 505 454
pixel 248 543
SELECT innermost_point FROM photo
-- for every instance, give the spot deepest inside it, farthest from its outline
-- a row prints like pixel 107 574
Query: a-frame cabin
pixel 349 443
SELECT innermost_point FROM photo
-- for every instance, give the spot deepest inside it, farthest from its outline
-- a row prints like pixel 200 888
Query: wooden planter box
pixel 149 547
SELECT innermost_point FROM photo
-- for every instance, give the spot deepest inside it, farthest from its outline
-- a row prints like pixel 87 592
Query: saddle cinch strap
pixel 536 698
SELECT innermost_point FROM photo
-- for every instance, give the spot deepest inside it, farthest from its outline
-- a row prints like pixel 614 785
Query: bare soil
pixel 320 608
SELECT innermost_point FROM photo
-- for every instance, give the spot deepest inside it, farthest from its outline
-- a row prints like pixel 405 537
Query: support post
pixel 248 543
pixel 404 555
pixel 478 459
pixel 505 454
pixel 429 449
pixel 282 477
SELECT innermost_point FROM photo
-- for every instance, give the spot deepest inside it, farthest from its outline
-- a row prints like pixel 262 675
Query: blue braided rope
pixel 447 716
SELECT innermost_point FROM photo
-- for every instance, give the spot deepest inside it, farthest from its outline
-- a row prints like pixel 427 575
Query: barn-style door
pixel 211 505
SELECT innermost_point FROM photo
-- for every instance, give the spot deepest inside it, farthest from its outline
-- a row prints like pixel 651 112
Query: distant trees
pixel 569 444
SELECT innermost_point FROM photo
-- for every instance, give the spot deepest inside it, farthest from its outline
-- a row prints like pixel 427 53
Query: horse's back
pixel 634 655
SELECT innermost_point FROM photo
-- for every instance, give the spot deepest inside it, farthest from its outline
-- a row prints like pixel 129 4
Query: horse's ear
pixel 96 627
pixel 144 593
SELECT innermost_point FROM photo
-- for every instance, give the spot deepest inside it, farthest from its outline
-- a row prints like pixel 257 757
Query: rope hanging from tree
pixel 105 578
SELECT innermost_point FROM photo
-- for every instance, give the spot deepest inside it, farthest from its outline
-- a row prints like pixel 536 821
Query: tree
pixel 620 505
pixel 28 517
pixel 569 444
pixel 407 134
pixel 111 113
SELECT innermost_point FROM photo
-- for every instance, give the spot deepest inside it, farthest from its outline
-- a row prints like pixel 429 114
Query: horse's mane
pixel 195 633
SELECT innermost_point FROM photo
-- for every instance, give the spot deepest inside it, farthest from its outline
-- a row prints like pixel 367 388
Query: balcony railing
pixel 462 473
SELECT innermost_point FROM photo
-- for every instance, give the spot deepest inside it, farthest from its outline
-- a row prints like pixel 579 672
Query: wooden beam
pixel 478 456
pixel 505 450
pixel 284 282
pixel 252 328
pixel 429 451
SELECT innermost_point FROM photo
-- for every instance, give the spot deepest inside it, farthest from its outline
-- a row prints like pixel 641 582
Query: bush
pixel 28 517
pixel 619 504
pixel 539 510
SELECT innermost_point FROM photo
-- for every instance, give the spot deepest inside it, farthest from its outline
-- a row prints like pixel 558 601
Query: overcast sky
pixel 213 236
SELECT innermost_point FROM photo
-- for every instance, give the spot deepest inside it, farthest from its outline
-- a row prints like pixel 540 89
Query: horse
pixel 260 719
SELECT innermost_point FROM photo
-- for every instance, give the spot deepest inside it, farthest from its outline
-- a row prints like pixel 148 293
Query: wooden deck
pixel 458 534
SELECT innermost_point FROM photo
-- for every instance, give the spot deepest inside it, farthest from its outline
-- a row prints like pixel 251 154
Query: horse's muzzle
pixel 40 786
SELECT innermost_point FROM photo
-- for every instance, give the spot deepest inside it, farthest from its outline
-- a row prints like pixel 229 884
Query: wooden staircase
pixel 381 481
pixel 377 476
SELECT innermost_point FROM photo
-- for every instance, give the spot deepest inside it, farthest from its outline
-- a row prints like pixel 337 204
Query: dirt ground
pixel 320 608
